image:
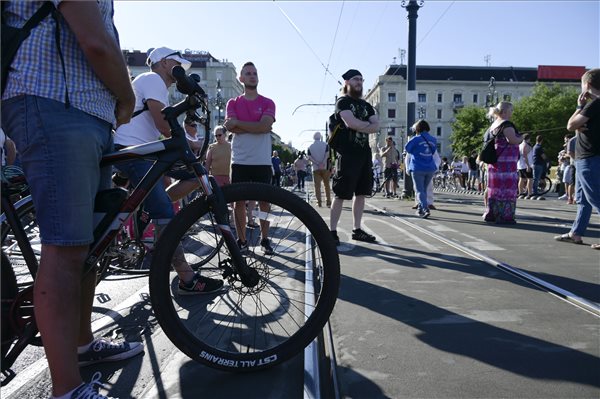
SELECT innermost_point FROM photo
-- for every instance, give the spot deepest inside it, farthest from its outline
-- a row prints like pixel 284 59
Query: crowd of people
pixel 45 118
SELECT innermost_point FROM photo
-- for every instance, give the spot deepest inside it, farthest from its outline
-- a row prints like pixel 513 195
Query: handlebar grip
pixel 187 84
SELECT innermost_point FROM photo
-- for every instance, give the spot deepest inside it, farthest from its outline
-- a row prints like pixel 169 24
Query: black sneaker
pixel 103 350
pixel 200 285
pixel 265 243
pixel 242 245
pixel 360 235
pixel 335 237
pixel 425 214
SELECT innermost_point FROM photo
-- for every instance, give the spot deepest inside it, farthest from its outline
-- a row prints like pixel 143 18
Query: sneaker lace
pixel 103 343
pixel 88 391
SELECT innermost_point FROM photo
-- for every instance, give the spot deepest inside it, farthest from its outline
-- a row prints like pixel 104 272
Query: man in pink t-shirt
pixel 250 118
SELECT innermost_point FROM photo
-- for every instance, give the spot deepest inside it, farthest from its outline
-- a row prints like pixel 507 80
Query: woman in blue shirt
pixel 422 166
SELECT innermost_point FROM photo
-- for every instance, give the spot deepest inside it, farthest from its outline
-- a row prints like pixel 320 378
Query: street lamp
pixel 491 99
pixel 412 7
pixel 219 102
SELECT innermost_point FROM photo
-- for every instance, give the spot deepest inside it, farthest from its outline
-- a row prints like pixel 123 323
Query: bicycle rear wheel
pixel 544 185
pixel 247 329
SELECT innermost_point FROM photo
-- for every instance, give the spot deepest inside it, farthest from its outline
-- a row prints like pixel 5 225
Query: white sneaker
pixel 563 197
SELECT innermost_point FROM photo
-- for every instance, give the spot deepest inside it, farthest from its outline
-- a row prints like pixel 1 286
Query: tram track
pixel 558 292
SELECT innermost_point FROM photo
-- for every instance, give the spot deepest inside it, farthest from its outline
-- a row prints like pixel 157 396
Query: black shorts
pixel 251 173
pixel 391 173
pixel 353 176
pixel 524 174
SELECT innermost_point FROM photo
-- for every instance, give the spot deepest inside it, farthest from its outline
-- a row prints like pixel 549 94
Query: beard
pixel 356 93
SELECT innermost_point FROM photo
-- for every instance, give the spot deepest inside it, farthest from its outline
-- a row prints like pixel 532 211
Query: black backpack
pixel 12 37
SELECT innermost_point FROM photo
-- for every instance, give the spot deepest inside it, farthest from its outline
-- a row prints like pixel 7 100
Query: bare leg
pixel 336 212
pixel 358 206
pixel 181 188
pixel 264 224
pixel 58 304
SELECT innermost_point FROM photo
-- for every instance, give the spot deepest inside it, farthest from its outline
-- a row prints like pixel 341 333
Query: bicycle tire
pixel 544 185
pixel 9 290
pixel 247 329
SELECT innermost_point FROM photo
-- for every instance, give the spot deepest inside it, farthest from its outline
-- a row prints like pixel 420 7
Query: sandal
pixel 568 238
pixel 595 246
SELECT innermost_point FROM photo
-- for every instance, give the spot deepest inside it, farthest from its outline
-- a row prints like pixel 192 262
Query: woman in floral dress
pixel 502 176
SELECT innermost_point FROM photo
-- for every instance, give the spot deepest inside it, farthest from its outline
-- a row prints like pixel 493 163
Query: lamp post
pixel 219 102
pixel 412 7
pixel 491 99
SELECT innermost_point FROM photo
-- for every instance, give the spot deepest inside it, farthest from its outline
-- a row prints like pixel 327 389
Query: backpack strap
pixel 139 111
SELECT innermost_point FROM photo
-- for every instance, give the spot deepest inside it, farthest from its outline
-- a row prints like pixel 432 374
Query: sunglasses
pixel 218 135
pixel 177 53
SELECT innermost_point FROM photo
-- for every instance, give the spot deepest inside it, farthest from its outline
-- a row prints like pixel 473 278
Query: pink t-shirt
pixel 250 149
pixel 250 110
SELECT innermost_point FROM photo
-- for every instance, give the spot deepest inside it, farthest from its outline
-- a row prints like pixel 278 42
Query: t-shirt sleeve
pixel 591 109
pixel 230 109
pixel 342 104
pixel 269 109
pixel 152 87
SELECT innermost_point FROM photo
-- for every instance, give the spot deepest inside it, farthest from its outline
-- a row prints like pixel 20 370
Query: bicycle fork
pixel 217 205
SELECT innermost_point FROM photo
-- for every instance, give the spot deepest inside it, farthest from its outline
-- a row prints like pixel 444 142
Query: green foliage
pixel 284 154
pixel 468 130
pixel 546 112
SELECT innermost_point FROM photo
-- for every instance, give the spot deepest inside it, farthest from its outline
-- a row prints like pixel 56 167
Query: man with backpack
pixel 61 129
pixel 354 169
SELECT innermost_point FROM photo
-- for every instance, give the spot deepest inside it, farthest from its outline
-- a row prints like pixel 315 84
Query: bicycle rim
pixel 246 329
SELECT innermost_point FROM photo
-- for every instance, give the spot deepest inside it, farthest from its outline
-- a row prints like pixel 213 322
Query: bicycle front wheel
pixel 243 328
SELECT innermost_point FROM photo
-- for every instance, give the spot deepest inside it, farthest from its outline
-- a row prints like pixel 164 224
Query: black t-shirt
pixel 355 142
pixel 588 142
pixel 538 151
pixel 473 163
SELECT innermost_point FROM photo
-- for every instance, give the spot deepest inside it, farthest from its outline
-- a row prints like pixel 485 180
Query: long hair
pixel 494 112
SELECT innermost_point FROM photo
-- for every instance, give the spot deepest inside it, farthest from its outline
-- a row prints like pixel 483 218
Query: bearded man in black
pixel 353 169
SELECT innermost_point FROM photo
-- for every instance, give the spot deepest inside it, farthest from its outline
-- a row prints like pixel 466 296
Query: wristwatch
pixel 580 106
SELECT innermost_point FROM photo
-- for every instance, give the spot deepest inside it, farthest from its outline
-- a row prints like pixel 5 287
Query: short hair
pixel 539 138
pixel 592 77
pixel 421 126
pixel 249 63
pixel 526 137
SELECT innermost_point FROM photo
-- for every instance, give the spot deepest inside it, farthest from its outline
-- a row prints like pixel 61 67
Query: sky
pixel 301 48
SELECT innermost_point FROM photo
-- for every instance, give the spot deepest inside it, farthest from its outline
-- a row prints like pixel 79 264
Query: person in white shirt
pixel 146 125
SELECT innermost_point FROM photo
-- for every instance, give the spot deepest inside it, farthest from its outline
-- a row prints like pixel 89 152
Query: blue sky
pixel 291 42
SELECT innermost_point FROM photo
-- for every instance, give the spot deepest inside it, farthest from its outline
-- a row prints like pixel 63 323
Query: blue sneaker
pixel 102 350
pixel 89 390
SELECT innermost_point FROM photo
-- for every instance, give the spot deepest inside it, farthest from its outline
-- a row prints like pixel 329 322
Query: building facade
pixel 442 90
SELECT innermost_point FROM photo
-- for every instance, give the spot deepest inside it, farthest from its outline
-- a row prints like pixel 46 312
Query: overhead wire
pixel 331 50
pixel 436 22
pixel 299 32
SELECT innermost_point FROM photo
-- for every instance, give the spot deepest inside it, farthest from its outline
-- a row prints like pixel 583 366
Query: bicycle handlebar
pixel 187 84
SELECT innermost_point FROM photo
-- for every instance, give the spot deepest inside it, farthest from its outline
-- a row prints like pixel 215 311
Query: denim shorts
pixel 60 149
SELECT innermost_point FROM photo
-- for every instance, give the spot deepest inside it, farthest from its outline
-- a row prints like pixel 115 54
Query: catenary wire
pixel 331 51
pixel 434 25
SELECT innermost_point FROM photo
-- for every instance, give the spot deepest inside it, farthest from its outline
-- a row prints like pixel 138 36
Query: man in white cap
pixel 147 124
pixel 318 153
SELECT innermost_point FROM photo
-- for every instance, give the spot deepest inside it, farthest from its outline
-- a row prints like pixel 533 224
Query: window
pixel 391 97
pixel 391 113
pixel 422 97
pixel 391 131
pixel 475 98
pixel 440 97
pixel 438 146
pixel 438 131
pixel 439 114
pixel 457 98
pixel 506 97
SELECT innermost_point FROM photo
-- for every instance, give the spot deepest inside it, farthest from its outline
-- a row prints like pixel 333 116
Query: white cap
pixel 161 53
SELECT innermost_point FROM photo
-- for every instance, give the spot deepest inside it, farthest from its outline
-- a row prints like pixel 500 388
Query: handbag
pixel 488 153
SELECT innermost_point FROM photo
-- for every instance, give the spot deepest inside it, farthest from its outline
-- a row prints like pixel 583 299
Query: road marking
pixel 405 233
pixel 32 372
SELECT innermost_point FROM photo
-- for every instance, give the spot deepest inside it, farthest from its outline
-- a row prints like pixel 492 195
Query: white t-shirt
pixel 141 129
pixel 521 164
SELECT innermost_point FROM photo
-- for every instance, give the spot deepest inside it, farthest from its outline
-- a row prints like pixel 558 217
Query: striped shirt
pixel 37 69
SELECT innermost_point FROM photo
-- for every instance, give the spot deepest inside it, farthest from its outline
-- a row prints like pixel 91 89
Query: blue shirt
pixel 37 69
pixel 421 147
pixel 276 161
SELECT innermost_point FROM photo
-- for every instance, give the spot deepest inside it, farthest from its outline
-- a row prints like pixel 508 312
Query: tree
pixel 468 129
pixel 546 113
pixel 284 154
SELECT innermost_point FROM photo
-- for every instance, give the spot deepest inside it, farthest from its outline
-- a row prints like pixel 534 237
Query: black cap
pixel 350 74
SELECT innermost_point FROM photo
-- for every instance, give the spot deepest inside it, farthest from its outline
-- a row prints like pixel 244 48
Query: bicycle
pixel 382 187
pixel 544 185
pixel 274 305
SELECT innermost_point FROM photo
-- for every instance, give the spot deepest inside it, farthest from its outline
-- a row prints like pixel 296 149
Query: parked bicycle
pixel 273 307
